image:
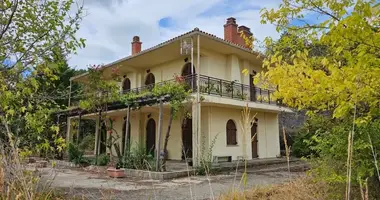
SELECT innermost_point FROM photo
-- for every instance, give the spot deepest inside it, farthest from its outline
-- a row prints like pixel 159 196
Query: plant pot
pixel 115 173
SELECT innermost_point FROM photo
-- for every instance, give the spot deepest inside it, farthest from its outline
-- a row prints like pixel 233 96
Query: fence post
pixel 261 96
pixel 242 92
pixel 269 96
pixel 232 89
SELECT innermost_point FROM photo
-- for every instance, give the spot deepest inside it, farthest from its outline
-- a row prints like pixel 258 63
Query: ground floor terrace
pixel 217 133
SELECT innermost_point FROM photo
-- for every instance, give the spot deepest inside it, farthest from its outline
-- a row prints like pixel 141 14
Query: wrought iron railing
pixel 218 87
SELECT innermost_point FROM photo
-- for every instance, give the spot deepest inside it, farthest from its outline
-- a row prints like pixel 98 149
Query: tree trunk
pixel 167 139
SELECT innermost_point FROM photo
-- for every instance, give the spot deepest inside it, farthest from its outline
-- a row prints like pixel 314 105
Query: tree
pixel 31 34
pixel 342 77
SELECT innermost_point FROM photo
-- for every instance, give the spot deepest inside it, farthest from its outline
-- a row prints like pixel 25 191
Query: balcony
pixel 213 87
pixel 222 88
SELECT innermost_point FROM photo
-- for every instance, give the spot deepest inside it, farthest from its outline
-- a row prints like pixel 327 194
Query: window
pixel 231 132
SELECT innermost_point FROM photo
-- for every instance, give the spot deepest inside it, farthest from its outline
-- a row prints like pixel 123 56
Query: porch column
pixel 96 136
pixel 68 130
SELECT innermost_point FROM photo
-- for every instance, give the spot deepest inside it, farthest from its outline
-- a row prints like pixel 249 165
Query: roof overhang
pixel 170 50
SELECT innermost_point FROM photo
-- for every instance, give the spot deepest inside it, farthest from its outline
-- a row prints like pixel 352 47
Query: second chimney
pixel 136 45
pixel 247 33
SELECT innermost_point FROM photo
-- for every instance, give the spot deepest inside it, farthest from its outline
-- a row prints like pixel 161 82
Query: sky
pixel 109 25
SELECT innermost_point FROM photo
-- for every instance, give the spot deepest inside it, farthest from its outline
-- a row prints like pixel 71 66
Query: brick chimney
pixel 247 32
pixel 230 30
pixel 136 45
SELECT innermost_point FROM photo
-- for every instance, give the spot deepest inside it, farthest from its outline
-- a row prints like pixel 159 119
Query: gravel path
pixel 78 183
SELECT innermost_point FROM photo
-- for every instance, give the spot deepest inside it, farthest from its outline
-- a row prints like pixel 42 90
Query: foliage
pixel 103 160
pixel 75 153
pixel 98 90
pixel 32 34
pixel 306 138
pixel 331 64
pixel 205 166
pixel 137 158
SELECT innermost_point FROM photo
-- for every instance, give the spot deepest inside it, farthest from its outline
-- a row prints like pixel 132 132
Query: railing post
pixel 261 96
pixel 232 89
pixel 242 92
pixel 221 89
pixel 208 85
pixel 269 96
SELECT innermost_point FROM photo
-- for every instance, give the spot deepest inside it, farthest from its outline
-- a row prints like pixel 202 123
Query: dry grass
pixel 299 189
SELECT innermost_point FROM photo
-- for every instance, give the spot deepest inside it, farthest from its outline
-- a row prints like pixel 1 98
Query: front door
pixel 103 139
pixel 150 136
pixel 187 139
pixel 254 140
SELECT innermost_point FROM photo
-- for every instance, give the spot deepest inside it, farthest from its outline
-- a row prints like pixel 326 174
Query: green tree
pixel 32 33
pixel 340 75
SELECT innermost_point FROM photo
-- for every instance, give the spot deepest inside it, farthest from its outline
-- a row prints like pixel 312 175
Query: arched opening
pixel 254 140
pixel 126 85
pixel 188 75
pixel 187 139
pixel 150 79
pixel 231 132
pixel 186 70
pixel 126 140
pixel 150 136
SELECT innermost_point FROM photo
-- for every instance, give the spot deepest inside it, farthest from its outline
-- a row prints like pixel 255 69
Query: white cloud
pixel 110 24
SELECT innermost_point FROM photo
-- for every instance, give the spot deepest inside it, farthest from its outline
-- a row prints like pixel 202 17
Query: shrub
pixel 138 159
pixel 305 140
pixel 75 154
pixel 103 160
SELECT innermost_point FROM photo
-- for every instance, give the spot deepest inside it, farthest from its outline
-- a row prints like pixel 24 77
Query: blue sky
pixel 109 25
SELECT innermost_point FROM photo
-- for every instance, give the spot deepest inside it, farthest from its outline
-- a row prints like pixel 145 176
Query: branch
pixel 9 20
pixel 325 12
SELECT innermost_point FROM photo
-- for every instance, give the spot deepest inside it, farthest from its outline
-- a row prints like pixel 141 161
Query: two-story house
pixel 217 66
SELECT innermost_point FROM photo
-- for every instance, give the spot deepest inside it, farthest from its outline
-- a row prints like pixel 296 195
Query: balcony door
pixel 150 79
pixel 126 85
pixel 252 86
pixel 187 72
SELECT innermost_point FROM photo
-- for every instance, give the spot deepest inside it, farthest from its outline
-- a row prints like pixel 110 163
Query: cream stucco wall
pixel 268 140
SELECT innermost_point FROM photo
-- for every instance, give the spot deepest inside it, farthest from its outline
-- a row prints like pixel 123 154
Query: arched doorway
pixel 126 85
pixel 187 138
pixel 123 140
pixel 189 78
pixel 150 79
pixel 254 140
pixel 150 136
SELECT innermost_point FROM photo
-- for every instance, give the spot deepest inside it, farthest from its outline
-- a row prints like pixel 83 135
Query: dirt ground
pixel 90 185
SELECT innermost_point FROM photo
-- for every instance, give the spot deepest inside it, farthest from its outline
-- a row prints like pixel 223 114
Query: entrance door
pixel 187 138
pixel 254 140
pixel 150 136
pixel 252 87
pixel 103 139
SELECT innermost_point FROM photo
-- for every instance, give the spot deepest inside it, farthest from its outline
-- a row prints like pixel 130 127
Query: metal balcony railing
pixel 219 87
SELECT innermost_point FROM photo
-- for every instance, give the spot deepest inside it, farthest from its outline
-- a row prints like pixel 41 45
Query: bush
pixel 305 140
pixel 75 154
pixel 138 159
pixel 103 160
